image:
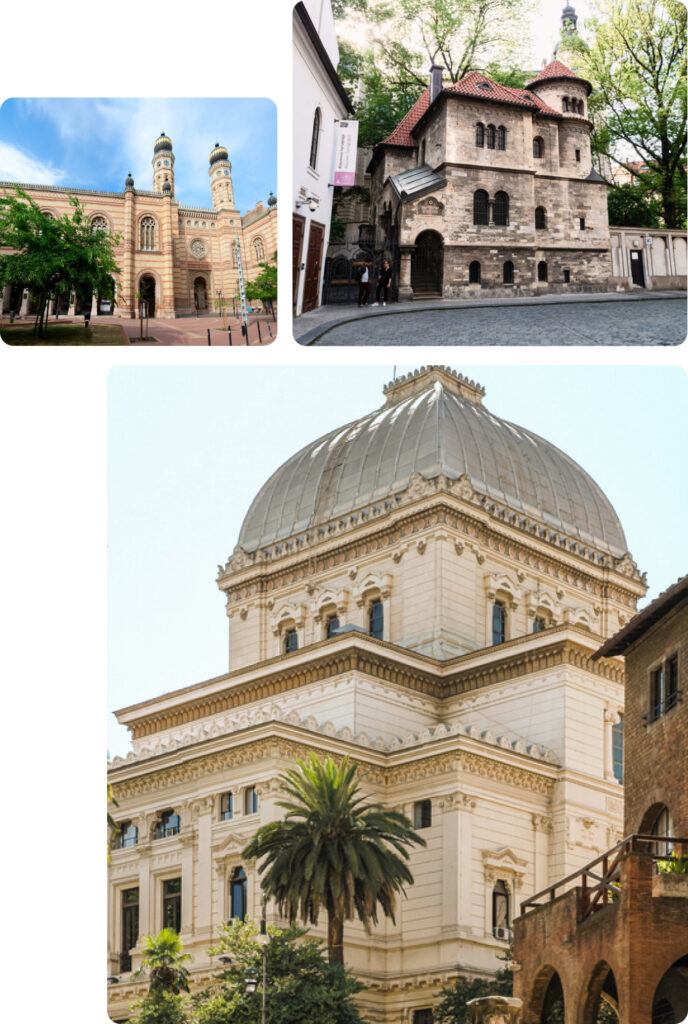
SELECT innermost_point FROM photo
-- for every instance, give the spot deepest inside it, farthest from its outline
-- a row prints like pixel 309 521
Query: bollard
pixel 260 339
pixel 208 335
pixel 270 330
pixel 229 332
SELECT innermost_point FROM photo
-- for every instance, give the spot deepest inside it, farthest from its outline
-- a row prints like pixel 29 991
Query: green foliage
pixel 337 230
pixel 301 984
pixel 159 1007
pixel 513 77
pixel 340 8
pixel 673 865
pixel 636 62
pixel 333 851
pixel 385 99
pixel 163 961
pixel 264 288
pixel 632 206
pixel 451 1008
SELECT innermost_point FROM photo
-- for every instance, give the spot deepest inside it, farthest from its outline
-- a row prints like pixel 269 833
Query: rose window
pixel 199 248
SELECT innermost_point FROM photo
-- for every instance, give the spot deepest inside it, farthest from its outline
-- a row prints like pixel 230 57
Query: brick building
pixel 483 186
pixel 178 258
pixel 616 933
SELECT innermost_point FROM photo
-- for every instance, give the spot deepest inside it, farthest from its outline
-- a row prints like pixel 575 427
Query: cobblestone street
pixel 580 320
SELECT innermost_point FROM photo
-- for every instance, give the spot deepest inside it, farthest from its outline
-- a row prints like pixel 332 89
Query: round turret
pixel 219 153
pixel 220 173
pixel 129 182
pixel 163 143
pixel 163 165
pixel 272 201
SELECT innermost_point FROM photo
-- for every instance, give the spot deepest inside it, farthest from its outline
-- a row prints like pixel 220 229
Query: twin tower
pixel 220 172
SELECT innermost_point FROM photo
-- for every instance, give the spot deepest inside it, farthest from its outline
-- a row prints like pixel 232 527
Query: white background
pixel 53 442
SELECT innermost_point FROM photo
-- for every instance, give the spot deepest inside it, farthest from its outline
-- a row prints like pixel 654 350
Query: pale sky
pixel 189 448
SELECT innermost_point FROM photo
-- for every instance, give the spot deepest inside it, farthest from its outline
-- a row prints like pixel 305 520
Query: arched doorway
pixel 670 1004
pixel 147 293
pixel 553 1005
pixel 427 265
pixel 545 1004
pixel 200 295
pixel 602 1001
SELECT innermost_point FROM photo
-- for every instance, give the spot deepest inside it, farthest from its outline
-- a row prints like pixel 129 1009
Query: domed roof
pixel 219 153
pixel 162 142
pixel 433 423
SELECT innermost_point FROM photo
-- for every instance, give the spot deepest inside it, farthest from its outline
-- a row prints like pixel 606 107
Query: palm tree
pixel 163 961
pixel 333 851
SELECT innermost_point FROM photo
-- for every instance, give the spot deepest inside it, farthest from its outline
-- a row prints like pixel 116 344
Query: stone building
pixel 178 258
pixel 618 932
pixel 482 186
pixel 422 590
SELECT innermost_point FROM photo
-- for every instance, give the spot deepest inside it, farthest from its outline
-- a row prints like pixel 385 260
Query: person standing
pixel 364 284
pixel 383 283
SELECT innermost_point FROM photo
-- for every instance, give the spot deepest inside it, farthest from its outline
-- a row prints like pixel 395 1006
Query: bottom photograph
pixel 440 776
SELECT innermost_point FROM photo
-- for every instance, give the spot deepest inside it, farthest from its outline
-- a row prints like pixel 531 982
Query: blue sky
pixel 189 447
pixel 94 143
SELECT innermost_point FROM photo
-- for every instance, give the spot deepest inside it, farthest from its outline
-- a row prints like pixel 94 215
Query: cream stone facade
pixel 421 590
pixel 179 258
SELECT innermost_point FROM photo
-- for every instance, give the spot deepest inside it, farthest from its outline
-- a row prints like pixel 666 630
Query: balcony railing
pixel 599 880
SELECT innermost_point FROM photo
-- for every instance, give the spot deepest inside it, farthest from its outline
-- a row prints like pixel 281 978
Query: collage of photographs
pixel 424 759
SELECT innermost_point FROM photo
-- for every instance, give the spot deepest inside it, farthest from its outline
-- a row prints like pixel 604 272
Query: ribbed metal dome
pixel 163 142
pixel 433 422
pixel 219 153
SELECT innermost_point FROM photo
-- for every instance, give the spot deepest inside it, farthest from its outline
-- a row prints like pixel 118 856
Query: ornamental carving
pixel 431 207
pixel 199 248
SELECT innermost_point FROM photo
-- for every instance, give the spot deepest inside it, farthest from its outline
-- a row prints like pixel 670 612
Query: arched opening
pixel 480 206
pixel 427 263
pixel 540 218
pixel 508 272
pixel 602 1000
pixel 376 620
pixel 542 271
pixel 538 148
pixel 237 894
pixel 501 209
pixel 147 234
pixel 200 294
pixel 670 1003
pixel 491 136
pixel 480 135
pixel 474 273
pixel 147 294
pixel 501 137
pixel 545 1003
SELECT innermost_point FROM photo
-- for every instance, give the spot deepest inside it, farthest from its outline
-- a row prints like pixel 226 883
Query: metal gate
pixel 426 264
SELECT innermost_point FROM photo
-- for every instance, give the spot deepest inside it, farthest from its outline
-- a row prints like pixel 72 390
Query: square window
pixel 582 223
pixel 567 277
pixel 578 156
pixel 422 814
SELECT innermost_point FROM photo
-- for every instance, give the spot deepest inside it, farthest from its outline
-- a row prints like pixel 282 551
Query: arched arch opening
pixel 540 218
pixel 508 272
pixel 480 135
pixel 501 209
pixel 427 263
pixel 491 136
pixel 237 894
pixel 601 1004
pixel 147 294
pixel 474 273
pixel 553 1011
pixel 200 294
pixel 501 137
pixel 147 234
pixel 538 148
pixel 258 249
pixel 670 1003
pixel 480 206
pixel 542 271
pixel 545 1003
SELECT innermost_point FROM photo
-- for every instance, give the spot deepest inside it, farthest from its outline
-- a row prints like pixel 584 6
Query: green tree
pixel 54 256
pixel 159 1007
pixel 163 962
pixel 384 100
pixel 333 851
pixel 636 63
pixel 301 984
pixel 451 1008
pixel 631 206
pixel 264 288
pixel 340 8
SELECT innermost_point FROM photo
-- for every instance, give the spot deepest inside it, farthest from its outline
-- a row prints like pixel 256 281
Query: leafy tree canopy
pixel 452 1007
pixel 264 288
pixel 159 1007
pixel 631 206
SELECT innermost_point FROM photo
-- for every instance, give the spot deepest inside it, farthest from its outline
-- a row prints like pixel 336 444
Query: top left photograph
pixel 146 222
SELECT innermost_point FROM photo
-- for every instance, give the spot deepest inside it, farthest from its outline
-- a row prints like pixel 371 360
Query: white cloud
pixel 16 165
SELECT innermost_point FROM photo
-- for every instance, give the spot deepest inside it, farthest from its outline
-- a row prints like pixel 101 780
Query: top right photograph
pixel 489 172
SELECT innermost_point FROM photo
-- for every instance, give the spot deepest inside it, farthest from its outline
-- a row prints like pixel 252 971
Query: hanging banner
pixel 345 157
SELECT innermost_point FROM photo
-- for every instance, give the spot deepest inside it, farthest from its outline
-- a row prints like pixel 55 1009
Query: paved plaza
pixel 630 318
pixel 262 330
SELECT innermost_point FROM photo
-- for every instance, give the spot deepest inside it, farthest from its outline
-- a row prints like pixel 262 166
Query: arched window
pixel 508 272
pixel 376 619
pixel 258 249
pixel 291 641
pixel 99 224
pixel 250 800
pixel 501 137
pixel 498 623
pixel 331 626
pixel 148 233
pixel 474 273
pixel 500 910
pixel 565 104
pixel 315 139
pixel 538 148
pixel 480 135
pixel 480 206
pixel 491 134
pixel 540 218
pixel 128 835
pixel 226 807
pixel 237 894
pixel 542 271
pixel 168 824
pixel 501 209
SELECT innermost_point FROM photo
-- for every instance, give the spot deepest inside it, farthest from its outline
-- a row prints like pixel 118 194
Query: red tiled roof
pixel 470 86
pixel 401 136
pixel 557 69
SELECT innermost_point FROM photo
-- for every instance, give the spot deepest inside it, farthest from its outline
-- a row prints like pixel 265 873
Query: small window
pixel 422 1017
pixel 332 626
pixel 582 223
pixel 538 148
pixel 128 835
pixel 656 693
pixel 250 800
pixel 618 749
pixel 500 910
pixel 376 619
pixel 480 207
pixel 148 234
pixel 172 904
pixel 542 271
pixel 491 136
pixel 540 218
pixel 474 273
pixel 258 249
pixel 99 224
pixel 539 624
pixel 578 156
pixel 226 807
pixel 501 209
pixel 422 152
pixel 567 277
pixel 480 135
pixel 508 272
pixel 422 814
pixel 671 683
pixel 565 104
pixel 498 623
pixel 501 137
pixel 169 824
pixel 130 927
pixel 237 894
pixel 291 641
pixel 315 139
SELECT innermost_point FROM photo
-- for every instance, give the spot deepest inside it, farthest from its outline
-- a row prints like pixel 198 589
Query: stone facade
pixel 659 256
pixel 506 744
pixel 180 258
pixel 531 146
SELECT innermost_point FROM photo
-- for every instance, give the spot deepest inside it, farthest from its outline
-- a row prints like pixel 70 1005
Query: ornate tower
pixel 569 21
pixel 220 174
pixel 163 165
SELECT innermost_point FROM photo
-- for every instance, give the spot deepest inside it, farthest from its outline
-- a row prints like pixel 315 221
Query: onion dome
pixel 162 142
pixel 166 187
pixel 219 153
pixel 129 181
pixel 433 423
pixel 272 200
